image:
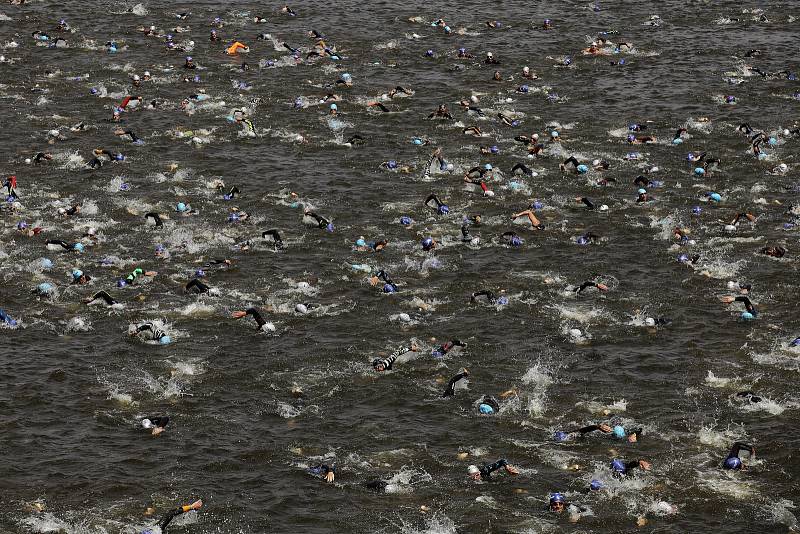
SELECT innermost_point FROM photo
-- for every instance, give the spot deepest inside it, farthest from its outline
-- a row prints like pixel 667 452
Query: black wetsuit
pixel 105 297
pixel 276 237
pixel 487 470
pixel 156 332
pixel 322 222
pixel 736 449
pixel 196 285
pixel 257 316
pixel 450 390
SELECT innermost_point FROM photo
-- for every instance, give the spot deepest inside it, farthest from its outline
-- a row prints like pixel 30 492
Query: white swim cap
pixel 473 98
pixel 301 308
pixel 783 167
pixel 730 228
pixel 54 133
pixel 595 162
pixel 61 211
pixel 603 208
pixel 136 77
pixel 147 423
pixel 147 73
pixel 526 70
pixel 268 327
pixel 404 317
pixel 302 285
pixel 488 193
pixel 575 332
pixel 488 54
pixel 91 231
pixel 473 470
pixel 450 166
pixel 28 160
pixel 650 321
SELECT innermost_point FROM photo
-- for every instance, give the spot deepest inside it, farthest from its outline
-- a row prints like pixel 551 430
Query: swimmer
pixel 385 364
pixel 588 203
pixel 450 389
pixel 463 54
pixel 578 167
pixel 529 74
pixel 473 130
pixel 197 286
pixel 484 472
pixel 774 251
pixel 442 209
pixel 733 461
pixel 488 405
pixel 588 284
pixel 56 244
pixel 79 278
pixel 100 296
pixel 535 222
pixel 466 237
pixel 379 106
pixel 136 273
pixel 324 471
pixel 490 59
pixel 260 322
pixel 172 514
pixel 157 424
pixel 749 216
pixel 489 296
pixel 68 212
pixel 744 300
pixel 322 222
pixel 40 156
pixel 442 350
pixel 523 168
pixel 441 113
pixel 10 321
pixel 11 186
pixel 276 238
pixel 151 332
pixel 388 285
pixel 620 468
pixel 512 239
pixel 748 396
pixel 155 218
pixel 618 431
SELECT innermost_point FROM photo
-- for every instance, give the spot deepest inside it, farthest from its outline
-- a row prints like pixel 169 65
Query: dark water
pixel 75 386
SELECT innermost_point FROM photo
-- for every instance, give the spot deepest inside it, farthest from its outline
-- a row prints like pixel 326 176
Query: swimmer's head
pixel 474 472
pixel 429 53
pixel 733 463
pixel 747 316
pixel 121 283
pixel 405 220
pixel 537 205
pixel 200 273
pixel 650 321
pixel 697 210
pixel 165 340
pixel 523 89
pixel 582 241
pixel 560 436
pixel 642 191
pixel 392 164
pixel 714 197
pixel 360 242
pixel 603 207
pixel 582 169
pixel 494 149
pixel 329 228
pixel 180 207
pixel 44 288
pixel 486 409
pixel 444 209
pixel 78 247
pixel 428 243
pixel 46 264
pixel 677 141
pixel 618 466
pixel 619 431
pixel 516 241
pixel 334 107
pixel 22 225
pixel 730 99
pixel 631 138
pixel 699 171
pixel 76 274
pixel 595 485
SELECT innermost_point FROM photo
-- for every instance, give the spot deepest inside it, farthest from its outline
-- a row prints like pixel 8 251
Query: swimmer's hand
pixel 150 273
pixel 605 428
pixel 329 477
pixel 602 287
pixel 511 470
pixel 238 314
pixel 727 300
pixel 373 281
pixel 645 465
pixel 509 393
pixel 196 505
pixel 632 438
pixel 157 430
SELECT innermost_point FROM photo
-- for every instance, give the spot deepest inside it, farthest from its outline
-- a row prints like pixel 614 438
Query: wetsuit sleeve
pixel 450 390
pixel 257 316
pixel 738 447
pixel 633 464
pixel 143 327
pixel 168 517
pixel 587 429
pixel 747 304
pixel 487 470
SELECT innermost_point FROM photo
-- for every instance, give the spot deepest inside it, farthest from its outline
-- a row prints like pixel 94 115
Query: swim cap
pixel 650 321
pixel 473 470
pixel 405 220
pixel 516 241
pixel 329 228
pixel 595 485
pixel 165 340
pixel 618 466
pixel 526 70
pixel 494 149
pixel 582 240
pixel 772 141
pixel 603 207
pixel 560 436
pixel 697 210
pixel 44 287
pixel 180 207
pixel 554 134
pixel 334 106
pixel 427 243
pixel 747 316
pixel 429 53
pixel 783 167
pixel 730 99
pixel 121 283
pixel 46 263
pixel 444 210
pixel 537 205
pixel 22 225
pixel 119 157
pixel 699 171
pixel 389 288
pixel 301 308
pixel 160 248
pixel 199 273
pixel 188 58
pixel 462 50
pixel 447 29
pixel 450 167
pixel 77 273
pixel 360 242
pixel 631 138
pixel 556 497
pixel 78 247
pixel 795 343
pixel 642 191
pixel 730 228
pixel 715 197
pixel 683 258
pixel 416 141
pixel 392 164
pixel 502 301
pixel 582 168
pixel 733 463
pixel 233 217
pixel 677 141
pixel 61 211
pixel 523 89
pixel 619 431
pixel 346 77
pixel 488 166
pixel 486 409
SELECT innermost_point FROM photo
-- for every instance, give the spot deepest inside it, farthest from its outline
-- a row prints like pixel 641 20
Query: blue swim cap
pixel 22 225
pixel 165 340
pixel 715 197
pixel 429 53
pixel 514 185
pixel 516 241
pixel 444 210
pixel 160 248
pixel 537 205
pixel 677 141
pixel 462 50
pixel 747 316
pixel 595 485
pixel 360 242
pixel 334 106
pixel 730 99
pixel 582 240
pixel 619 431
pixel 618 466
pixel 47 264
pixel 346 76
pixel 556 497
pixel 772 141
pixel 121 283
pixel 392 164
pixel 582 168
pixel 631 138
pixel 180 207
pixel 405 220
pixel 447 29
pixel 416 141
pixel 124 187
pixel 427 242
pixel 494 149
pixel 697 210
pixel 567 60
pixel 329 227
pixel 199 273
pixel 683 258
pixel 389 288
pixel 515 123
pixel 488 166
pixel 44 287
pixel 502 301
pixel 642 191
pixel 78 247
pixel 486 409
pixel 554 134
pixel 560 436
pixel 795 343
pixel 523 89
pixel 233 217
pixel 699 171
pixel 93 90
pixel 732 463
pixel 77 273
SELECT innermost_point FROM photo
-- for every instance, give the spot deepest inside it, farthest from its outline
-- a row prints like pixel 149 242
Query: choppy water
pixel 74 385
